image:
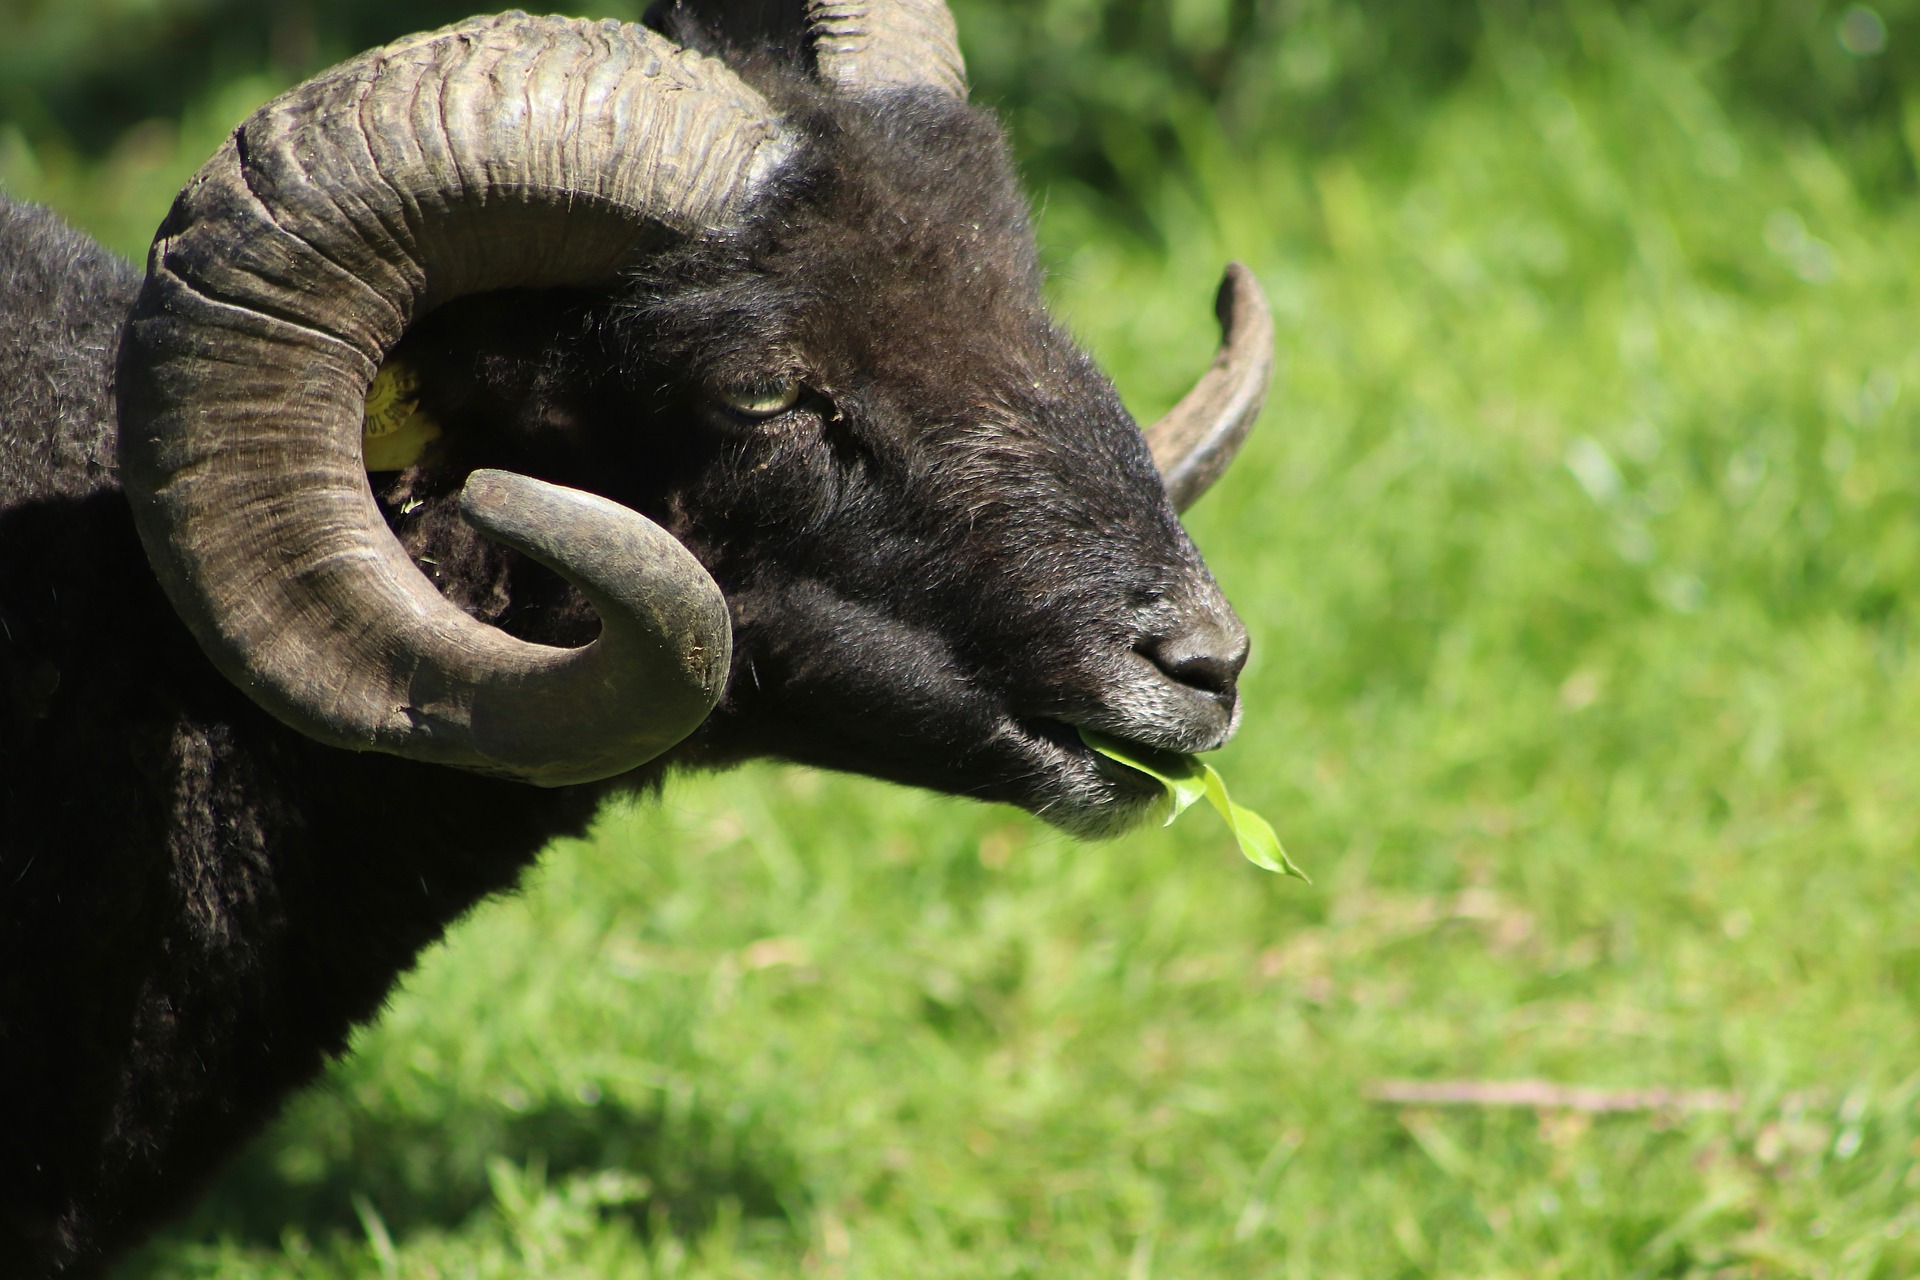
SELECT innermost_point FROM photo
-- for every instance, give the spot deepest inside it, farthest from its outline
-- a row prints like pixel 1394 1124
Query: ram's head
pixel 854 499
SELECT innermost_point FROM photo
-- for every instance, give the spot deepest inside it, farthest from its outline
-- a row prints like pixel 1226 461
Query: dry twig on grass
pixel 1542 1095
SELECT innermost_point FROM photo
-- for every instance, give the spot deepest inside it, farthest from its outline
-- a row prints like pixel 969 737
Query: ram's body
pixel 196 902
pixel 948 552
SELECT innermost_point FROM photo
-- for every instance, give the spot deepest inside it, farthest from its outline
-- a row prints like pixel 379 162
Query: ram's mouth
pixel 1071 741
pixel 1075 788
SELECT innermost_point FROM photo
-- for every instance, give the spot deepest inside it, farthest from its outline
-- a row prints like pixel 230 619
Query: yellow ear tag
pixel 396 431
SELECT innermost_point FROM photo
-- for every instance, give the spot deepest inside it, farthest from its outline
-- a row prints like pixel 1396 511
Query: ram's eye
pixel 761 399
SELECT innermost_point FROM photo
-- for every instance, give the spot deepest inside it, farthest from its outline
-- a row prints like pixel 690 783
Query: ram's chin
pixel 1096 817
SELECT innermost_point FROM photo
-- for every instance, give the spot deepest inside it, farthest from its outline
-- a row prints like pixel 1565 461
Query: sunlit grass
pixel 1579 548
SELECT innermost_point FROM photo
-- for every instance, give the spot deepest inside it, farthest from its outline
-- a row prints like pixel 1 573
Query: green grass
pixel 1580 552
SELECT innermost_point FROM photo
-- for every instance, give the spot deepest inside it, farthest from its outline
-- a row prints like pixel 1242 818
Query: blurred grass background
pixel 1580 550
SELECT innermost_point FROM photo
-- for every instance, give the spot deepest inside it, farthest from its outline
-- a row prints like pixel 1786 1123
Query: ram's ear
pixel 508 378
pixel 775 29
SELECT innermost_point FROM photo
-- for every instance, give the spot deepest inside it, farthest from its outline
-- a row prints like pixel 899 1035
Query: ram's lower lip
pixel 1067 738
pixel 1075 788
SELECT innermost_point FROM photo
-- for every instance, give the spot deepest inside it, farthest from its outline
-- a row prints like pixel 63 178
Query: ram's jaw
pixel 1038 764
pixel 1068 784
pixel 1075 789
pixel 824 681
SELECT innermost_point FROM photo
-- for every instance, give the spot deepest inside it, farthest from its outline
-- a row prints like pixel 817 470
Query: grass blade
pixel 1256 838
pixel 1181 775
pixel 1188 778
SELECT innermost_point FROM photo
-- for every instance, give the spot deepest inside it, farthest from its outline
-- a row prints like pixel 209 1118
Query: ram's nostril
pixel 1208 672
pixel 1205 654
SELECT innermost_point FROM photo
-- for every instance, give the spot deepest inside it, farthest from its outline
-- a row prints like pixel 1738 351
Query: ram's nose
pixel 1202 653
pixel 1178 686
pixel 1187 691
pixel 1206 654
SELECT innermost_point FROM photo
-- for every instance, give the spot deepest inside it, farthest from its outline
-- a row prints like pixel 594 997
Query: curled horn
pixel 501 152
pixel 1199 436
pixel 865 46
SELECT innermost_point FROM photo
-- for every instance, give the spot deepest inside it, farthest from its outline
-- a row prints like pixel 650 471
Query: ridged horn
pixel 1199 436
pixel 866 46
pixel 501 152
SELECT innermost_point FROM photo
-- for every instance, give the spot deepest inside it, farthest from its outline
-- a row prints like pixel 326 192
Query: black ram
pixel 761 282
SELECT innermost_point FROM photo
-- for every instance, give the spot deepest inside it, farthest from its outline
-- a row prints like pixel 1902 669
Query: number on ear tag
pixel 396 431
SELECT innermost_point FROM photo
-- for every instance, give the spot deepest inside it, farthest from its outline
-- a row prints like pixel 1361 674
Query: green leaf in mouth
pixel 1189 778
